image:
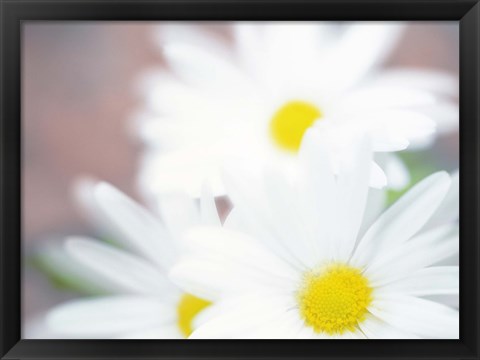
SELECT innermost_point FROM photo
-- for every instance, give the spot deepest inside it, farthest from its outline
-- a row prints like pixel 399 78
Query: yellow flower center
pixel 335 299
pixel 289 123
pixel 188 307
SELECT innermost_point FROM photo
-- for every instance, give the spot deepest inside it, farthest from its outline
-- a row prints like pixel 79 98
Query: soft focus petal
pixel 140 230
pixel 428 281
pixel 132 273
pixel 109 316
pixel 404 218
pixel 422 317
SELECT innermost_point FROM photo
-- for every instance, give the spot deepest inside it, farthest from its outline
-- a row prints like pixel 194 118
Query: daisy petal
pixel 404 218
pixel 222 260
pixel 445 114
pixel 286 325
pixel 448 210
pixel 398 175
pixel 205 70
pixel 106 317
pixel 351 197
pixel 208 209
pixel 375 205
pixel 378 178
pixel 183 170
pixel 255 311
pixel 429 80
pixel 428 281
pixel 132 273
pixel 369 43
pixel 249 45
pixel 167 331
pixel 422 317
pixel 83 191
pixel 190 34
pixel 375 328
pixel 383 97
pixel 252 210
pixel 179 213
pixel 166 95
pixel 56 261
pixel 293 46
pixel 316 187
pixel 288 227
pixel 393 129
pixel 423 250
pixel 140 231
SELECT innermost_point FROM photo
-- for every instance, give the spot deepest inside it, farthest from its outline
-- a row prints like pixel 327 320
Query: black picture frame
pixel 15 12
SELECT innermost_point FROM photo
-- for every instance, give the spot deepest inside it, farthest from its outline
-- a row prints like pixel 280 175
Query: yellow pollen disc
pixel 289 123
pixel 335 299
pixel 188 307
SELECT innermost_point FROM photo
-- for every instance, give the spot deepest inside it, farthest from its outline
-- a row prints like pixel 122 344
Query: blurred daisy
pixel 293 262
pixel 143 302
pixel 281 79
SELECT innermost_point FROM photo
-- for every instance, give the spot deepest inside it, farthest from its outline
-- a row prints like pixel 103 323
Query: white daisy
pixel 280 79
pixel 293 262
pixel 143 302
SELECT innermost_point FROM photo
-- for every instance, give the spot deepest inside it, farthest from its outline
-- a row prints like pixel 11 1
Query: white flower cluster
pixel 299 126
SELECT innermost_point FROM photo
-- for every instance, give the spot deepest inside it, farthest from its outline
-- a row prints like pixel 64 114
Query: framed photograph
pixel 239 179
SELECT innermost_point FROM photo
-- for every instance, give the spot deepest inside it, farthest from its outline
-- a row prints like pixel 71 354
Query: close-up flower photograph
pixel 240 180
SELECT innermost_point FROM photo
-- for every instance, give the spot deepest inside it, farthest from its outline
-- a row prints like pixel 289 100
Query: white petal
pixel 376 203
pixel 404 218
pixel 435 81
pixel 448 210
pixel 282 55
pixel 108 317
pixel 380 97
pixel 142 232
pixel 199 67
pixel 445 114
pixel 163 94
pixel 252 209
pixel 369 43
pixel 423 250
pixel 350 335
pixel 452 301
pixel 191 34
pixel 428 281
pixel 292 52
pixel 250 313
pixel 179 213
pixel 83 190
pixel 37 328
pixel 285 306
pixel 378 178
pixel 393 130
pixel 167 331
pixel 422 317
pixel 397 172
pixel 317 193
pixel 375 328
pixel 201 278
pixel 56 260
pixel 184 170
pixel 288 223
pixel 249 44
pixel 208 209
pixel 352 187
pixel 223 261
pixel 233 221
pixel 132 273
pixel 286 325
